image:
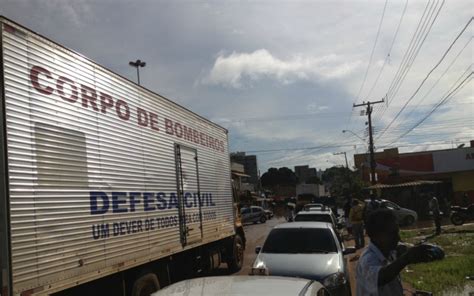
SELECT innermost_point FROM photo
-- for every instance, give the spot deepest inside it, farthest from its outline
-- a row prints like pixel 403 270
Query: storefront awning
pixel 407 184
pixel 239 174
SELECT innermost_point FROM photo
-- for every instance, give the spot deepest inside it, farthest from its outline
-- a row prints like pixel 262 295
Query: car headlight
pixel 334 280
pixel 259 269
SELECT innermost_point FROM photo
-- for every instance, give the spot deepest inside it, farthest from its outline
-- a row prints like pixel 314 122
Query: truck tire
pixel 263 219
pixel 236 258
pixel 145 285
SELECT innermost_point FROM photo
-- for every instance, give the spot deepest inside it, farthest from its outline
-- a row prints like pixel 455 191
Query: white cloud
pixel 315 108
pixel 231 70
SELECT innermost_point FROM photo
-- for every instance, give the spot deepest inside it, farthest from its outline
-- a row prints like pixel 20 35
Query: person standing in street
pixel 356 218
pixel 434 207
pixel 379 266
pixel 347 210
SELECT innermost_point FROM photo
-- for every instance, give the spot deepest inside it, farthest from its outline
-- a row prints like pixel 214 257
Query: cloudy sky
pixel 282 76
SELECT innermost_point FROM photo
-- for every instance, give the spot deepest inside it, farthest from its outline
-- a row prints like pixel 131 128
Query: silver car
pixel 404 216
pixel 308 250
pixel 253 214
pixel 244 285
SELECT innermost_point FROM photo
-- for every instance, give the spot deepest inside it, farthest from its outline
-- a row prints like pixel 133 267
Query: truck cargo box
pixel 98 174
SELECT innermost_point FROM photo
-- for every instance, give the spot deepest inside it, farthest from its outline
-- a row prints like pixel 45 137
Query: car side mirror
pixel 349 250
pixel 258 249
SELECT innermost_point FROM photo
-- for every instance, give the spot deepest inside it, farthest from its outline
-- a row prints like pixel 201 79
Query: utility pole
pixel 345 156
pixel 371 139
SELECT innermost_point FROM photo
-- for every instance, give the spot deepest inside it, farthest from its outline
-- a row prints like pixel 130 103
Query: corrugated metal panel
pixel 61 149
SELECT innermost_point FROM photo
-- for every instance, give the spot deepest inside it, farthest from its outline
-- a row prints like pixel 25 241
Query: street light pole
pixel 137 64
pixel 345 156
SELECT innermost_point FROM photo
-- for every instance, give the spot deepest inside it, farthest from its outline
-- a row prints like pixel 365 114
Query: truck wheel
pixel 263 219
pixel 236 259
pixel 145 285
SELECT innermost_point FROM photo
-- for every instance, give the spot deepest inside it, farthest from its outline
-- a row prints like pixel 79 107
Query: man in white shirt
pixel 378 268
pixel 434 207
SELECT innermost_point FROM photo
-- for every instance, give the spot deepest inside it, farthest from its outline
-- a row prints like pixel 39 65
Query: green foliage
pixel 281 176
pixel 343 181
pixel 450 273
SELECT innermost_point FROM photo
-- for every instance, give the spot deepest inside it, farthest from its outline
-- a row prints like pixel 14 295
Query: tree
pixel 282 176
pixel 342 181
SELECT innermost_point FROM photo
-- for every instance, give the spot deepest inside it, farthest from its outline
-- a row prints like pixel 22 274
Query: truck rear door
pixel 189 197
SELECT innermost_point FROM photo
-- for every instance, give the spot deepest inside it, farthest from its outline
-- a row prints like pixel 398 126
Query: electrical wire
pixel 439 78
pixel 373 50
pixel 413 53
pixel 443 100
pixel 426 77
pixel 389 51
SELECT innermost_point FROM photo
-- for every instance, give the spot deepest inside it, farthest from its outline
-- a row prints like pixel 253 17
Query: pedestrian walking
pixel 465 200
pixel 378 269
pixel 356 218
pixel 434 207
pixel 347 210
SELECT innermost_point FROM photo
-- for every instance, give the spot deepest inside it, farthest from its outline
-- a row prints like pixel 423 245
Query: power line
pixel 447 97
pixel 422 35
pixel 410 53
pixel 389 51
pixel 426 78
pixel 402 66
pixel 342 146
pixel 439 78
pixel 412 59
pixel 373 50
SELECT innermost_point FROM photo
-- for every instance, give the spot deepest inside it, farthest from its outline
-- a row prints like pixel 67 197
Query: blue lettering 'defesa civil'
pixel 102 203
pixel 124 202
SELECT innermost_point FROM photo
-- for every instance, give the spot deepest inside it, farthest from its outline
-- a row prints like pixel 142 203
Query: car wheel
pixel 409 220
pixel 457 219
pixel 263 219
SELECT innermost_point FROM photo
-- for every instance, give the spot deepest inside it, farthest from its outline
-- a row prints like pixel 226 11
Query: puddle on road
pixel 468 290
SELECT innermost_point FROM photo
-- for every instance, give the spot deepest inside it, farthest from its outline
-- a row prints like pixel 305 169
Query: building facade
pixel 455 167
pixel 250 166
pixel 304 173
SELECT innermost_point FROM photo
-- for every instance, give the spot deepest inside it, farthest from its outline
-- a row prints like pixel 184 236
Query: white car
pixel 313 206
pixel 244 285
pixel 308 250
pixel 404 216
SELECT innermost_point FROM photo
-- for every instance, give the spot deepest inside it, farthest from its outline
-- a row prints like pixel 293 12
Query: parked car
pixel 312 206
pixel 318 216
pixel 308 250
pixel 404 216
pixel 268 214
pixel 245 285
pixel 253 214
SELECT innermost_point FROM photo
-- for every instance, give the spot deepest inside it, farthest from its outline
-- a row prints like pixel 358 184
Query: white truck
pixel 106 188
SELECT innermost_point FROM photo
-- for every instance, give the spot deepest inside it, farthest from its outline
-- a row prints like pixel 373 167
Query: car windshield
pixel 300 241
pixel 314 218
